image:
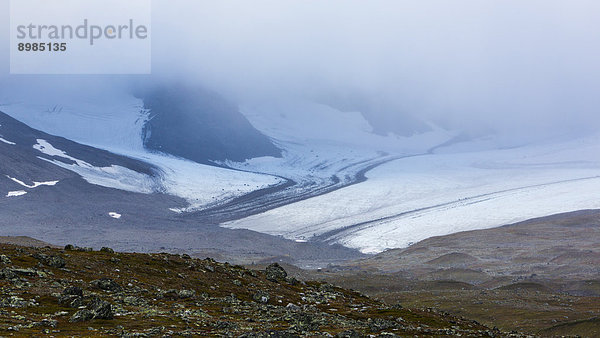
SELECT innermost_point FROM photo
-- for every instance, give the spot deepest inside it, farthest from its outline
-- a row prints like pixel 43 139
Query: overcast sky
pixel 515 65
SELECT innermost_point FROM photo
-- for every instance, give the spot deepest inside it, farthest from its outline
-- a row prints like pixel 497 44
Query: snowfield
pixel 414 198
pixel 320 141
pixel 113 177
pixel 115 123
pixel 201 185
pixel 100 119
pixel 415 189
pixel 314 158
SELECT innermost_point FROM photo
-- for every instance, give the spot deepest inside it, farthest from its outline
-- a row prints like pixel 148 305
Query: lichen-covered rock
pixel 292 307
pixel 82 316
pixel 71 297
pixel 176 294
pixel 186 294
pixel 304 321
pixel 14 302
pixel 275 273
pixel 73 291
pixel 45 323
pixel 107 250
pixel 326 287
pixel 95 309
pixel 378 324
pixel 107 284
pixel 5 260
pixel 349 334
pixel 7 274
pixel 133 300
pixel 261 297
pixel 51 261
pixel 101 309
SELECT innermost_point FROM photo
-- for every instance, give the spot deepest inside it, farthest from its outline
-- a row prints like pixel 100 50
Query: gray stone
pixel 101 309
pixel 5 260
pixel 82 316
pixel 106 284
pixel 275 273
pixel 107 250
pixel 261 297
pixel 51 261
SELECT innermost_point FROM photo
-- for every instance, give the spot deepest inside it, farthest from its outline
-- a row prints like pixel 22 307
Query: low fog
pixel 522 68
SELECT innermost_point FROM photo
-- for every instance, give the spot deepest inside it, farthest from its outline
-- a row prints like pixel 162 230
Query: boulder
pixel 106 284
pixel 275 273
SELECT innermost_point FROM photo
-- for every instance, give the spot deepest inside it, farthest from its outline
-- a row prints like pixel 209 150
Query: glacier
pixel 414 187
pixel 414 198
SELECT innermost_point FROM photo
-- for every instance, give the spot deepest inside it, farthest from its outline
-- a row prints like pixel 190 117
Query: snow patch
pixel 48 149
pixel 112 177
pixel 34 185
pixel 7 141
pixel 114 215
pixel 16 193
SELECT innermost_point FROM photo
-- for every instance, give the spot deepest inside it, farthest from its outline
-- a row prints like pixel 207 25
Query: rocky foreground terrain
pixel 540 276
pixel 79 292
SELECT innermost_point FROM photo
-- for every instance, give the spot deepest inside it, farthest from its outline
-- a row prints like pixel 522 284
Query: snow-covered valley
pixel 314 160
pixel 116 125
pixel 336 181
pixel 410 199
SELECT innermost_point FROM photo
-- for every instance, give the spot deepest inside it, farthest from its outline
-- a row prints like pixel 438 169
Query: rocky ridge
pixel 78 291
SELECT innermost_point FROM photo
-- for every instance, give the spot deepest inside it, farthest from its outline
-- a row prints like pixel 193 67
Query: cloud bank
pixel 523 67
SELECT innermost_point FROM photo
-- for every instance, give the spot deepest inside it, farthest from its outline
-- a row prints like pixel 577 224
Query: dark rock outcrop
pixel 275 273
pixel 202 126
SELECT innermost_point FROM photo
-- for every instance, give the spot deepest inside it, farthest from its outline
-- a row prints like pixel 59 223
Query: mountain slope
pixel 539 276
pixel 30 156
pixel 201 126
pixel 99 198
pixel 73 292
pixel 114 120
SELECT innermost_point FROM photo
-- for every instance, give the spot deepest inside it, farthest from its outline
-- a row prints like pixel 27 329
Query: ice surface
pixel 320 141
pixel 414 198
pixel 112 119
pixel 202 185
pixel 422 194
